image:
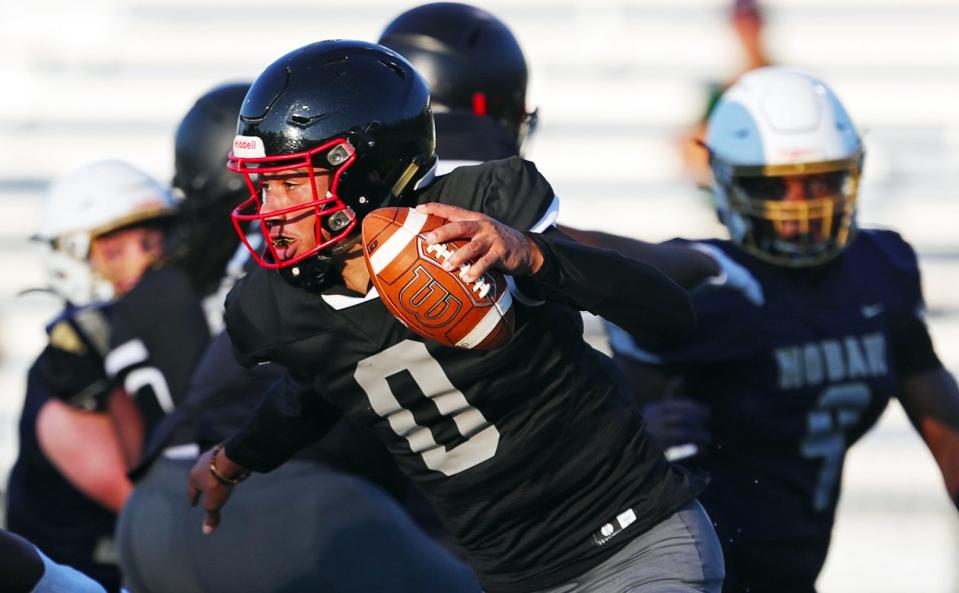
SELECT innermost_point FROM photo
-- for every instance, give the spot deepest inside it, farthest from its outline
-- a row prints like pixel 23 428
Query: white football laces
pixel 441 250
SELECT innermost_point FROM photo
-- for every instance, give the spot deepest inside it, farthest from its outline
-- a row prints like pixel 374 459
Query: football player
pixel 102 226
pixel 327 490
pixel 533 454
pixel 792 384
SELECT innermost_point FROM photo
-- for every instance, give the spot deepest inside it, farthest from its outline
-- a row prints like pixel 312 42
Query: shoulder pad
pixel 511 191
pixel 895 250
pixel 250 311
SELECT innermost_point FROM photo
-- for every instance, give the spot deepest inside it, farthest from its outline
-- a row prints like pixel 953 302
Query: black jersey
pixel 159 331
pixel 531 453
pixel 791 385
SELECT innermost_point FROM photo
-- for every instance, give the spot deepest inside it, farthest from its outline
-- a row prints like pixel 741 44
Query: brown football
pixel 434 303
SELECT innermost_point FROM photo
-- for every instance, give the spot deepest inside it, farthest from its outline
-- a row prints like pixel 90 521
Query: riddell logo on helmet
pixel 248 147
pixel 795 154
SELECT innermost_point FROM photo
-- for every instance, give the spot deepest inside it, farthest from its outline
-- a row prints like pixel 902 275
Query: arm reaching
pixel 288 418
pixel 689 265
pixel 552 266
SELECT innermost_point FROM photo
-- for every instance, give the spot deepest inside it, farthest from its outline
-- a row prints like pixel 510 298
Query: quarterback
pixel 532 453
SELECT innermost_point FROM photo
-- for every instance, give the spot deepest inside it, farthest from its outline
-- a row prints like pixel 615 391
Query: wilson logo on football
pixel 435 303
pixel 426 300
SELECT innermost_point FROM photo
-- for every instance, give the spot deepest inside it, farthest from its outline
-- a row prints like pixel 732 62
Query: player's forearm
pixel 683 265
pixel 630 293
pixel 283 423
pixel 931 400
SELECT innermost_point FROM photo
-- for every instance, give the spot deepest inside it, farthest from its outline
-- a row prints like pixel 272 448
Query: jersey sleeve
pixel 624 291
pixel 290 417
pixel 912 347
pixel 158 333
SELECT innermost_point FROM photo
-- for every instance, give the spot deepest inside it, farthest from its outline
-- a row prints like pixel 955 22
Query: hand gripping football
pixel 434 303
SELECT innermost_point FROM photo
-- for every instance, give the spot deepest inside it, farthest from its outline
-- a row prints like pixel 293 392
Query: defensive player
pixel 102 225
pixel 327 491
pixel 792 384
pixel 533 454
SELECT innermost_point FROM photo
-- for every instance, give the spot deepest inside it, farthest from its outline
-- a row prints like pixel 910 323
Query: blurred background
pixel 618 84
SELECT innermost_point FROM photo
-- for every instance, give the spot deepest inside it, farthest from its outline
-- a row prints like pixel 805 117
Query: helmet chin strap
pixel 314 273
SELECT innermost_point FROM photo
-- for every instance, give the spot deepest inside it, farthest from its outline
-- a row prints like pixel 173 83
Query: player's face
pixel 801 206
pixel 123 256
pixel 295 232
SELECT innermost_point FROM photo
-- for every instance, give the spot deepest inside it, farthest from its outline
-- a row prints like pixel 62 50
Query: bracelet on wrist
pixel 220 477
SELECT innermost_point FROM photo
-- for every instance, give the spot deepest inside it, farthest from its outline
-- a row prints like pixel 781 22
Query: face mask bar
pixel 795 233
pixel 339 154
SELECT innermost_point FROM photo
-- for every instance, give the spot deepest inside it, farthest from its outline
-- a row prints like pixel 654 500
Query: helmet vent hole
pixel 302 119
pixel 395 68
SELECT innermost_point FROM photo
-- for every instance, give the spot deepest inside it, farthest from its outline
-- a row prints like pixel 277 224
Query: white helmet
pixel 772 130
pixel 94 200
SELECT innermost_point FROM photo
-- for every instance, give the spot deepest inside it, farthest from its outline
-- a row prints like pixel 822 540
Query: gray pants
pixel 680 555
pixel 301 528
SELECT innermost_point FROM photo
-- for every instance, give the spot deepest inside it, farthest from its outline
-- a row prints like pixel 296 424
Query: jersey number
pixel 839 408
pixel 482 438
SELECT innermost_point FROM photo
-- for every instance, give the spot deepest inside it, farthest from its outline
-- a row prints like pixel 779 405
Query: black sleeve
pixel 159 332
pixel 290 417
pixel 629 293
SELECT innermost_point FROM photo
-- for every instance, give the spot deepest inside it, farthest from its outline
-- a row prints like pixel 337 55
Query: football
pixel 432 302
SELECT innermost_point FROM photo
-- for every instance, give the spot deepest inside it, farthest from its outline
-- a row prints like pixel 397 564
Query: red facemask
pixel 328 211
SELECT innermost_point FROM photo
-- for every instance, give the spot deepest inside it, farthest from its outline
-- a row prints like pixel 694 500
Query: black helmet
pixel 210 191
pixel 355 109
pixel 471 59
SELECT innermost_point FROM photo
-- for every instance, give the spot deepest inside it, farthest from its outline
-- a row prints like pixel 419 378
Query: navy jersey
pixel 159 331
pixel 42 505
pixel 532 453
pixel 793 384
